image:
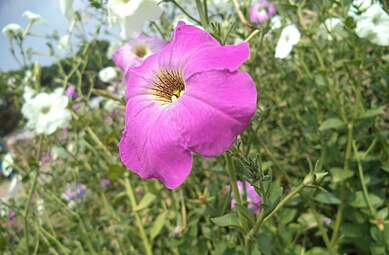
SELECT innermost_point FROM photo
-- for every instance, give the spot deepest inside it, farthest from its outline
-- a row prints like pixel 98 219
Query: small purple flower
pixel 262 11
pixel 45 158
pixel 253 200
pixel 75 191
pixel 105 183
pixel 134 52
pixel 71 92
pixel 11 215
pixel 326 221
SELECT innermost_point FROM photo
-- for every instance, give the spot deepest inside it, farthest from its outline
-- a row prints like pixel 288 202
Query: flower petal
pixel 125 58
pixel 187 41
pixel 150 146
pixel 215 108
pixel 218 58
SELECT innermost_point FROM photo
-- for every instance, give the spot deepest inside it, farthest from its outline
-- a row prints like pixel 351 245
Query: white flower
pixel 374 25
pixel 64 43
pixel 332 28
pixel 47 112
pixel 12 189
pixel 6 165
pixel 95 102
pixel 28 93
pixel 358 7
pixel 67 8
pixel 12 29
pixel 111 105
pixel 276 22
pixel 131 15
pixel 290 36
pixel 107 74
pixel 33 17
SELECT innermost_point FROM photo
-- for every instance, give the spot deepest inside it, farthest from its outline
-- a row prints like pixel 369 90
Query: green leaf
pixel 146 201
pixel 264 244
pixel 158 225
pixel 339 174
pixel 316 251
pixel 331 123
pixel 359 200
pixel 114 172
pixel 287 215
pixel 247 213
pixel 275 194
pixel 372 112
pixel 326 198
pixel 385 167
pixel 230 219
pixel 383 213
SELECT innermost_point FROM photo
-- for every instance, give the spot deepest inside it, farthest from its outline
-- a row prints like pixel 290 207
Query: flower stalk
pixel 130 194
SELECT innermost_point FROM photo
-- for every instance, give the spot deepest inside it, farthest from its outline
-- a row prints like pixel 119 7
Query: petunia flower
pixel 45 113
pixel 358 7
pixel 71 92
pixel 253 199
pixel 33 17
pixel 135 52
pixel 275 22
pixel 262 11
pixel 131 15
pixel 6 165
pixel 332 28
pixel 12 29
pixel 107 74
pixel 64 43
pixel 67 8
pixel 189 98
pixel 374 25
pixel 290 36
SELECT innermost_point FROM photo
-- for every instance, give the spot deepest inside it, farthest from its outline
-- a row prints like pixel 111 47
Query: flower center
pixel 168 86
pixel 45 110
pixel 140 51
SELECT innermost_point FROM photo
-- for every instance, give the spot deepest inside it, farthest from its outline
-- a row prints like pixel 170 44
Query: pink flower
pixel 134 52
pixel 253 200
pixel 262 11
pixel 189 98
pixel 105 183
pixel 71 92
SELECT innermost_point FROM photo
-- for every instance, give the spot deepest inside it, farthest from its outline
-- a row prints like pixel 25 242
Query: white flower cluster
pixel 290 36
pixel 45 113
pixel 132 15
pixel 372 21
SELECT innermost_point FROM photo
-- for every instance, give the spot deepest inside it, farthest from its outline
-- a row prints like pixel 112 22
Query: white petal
pixel 283 49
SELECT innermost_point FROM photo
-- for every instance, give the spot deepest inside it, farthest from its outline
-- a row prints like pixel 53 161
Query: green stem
pixel 185 12
pixel 251 36
pixel 259 222
pixel 363 183
pixel 322 230
pixel 242 219
pixel 131 196
pixel 339 214
pixel 27 209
